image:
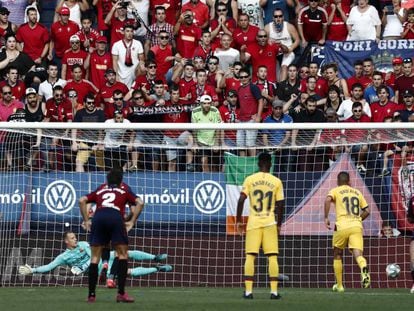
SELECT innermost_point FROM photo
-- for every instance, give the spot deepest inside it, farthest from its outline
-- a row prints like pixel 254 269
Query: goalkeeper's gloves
pixel 25 270
pixel 76 270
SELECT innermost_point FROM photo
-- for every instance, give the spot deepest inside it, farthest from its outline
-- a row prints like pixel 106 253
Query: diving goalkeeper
pixel 78 257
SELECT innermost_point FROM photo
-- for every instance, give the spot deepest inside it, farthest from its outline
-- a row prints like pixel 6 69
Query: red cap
pixel 64 11
pixel 397 61
pixel 102 39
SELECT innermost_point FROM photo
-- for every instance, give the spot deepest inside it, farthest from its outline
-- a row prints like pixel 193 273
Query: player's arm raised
pixel 135 211
pixel 86 224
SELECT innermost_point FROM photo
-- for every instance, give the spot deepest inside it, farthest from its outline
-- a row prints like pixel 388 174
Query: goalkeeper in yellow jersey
pixel 265 193
pixel 351 209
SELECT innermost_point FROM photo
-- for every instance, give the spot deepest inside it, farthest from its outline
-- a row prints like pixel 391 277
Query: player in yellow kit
pixel 265 193
pixel 351 209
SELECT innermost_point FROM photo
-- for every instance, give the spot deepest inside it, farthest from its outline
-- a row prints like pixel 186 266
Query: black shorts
pixel 108 226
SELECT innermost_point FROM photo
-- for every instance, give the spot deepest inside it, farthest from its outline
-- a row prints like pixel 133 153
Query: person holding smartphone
pixel 392 20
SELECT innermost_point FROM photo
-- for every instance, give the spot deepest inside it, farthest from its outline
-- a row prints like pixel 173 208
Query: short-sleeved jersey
pixel 80 257
pixel 107 196
pixel 349 202
pixel 263 191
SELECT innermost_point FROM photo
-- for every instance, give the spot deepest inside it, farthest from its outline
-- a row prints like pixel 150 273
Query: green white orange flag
pixel 236 170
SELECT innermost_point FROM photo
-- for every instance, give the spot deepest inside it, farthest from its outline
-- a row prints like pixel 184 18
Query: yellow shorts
pixel 265 237
pixel 351 237
pixel 84 154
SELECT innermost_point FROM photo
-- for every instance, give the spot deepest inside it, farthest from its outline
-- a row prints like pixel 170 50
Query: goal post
pixel 190 205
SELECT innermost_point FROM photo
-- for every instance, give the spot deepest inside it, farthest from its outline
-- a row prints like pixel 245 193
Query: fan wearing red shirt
pixel 358 74
pixel 202 88
pixel 186 84
pixel 263 53
pixel 177 137
pixel 60 32
pixel 312 23
pixel 321 88
pixel 408 26
pixel 87 34
pixel 200 11
pixel 34 36
pixel 205 49
pixel 231 79
pixel 163 54
pixel 230 114
pixel 116 103
pixel 81 86
pixel 338 13
pixel 103 8
pixel 357 136
pixel 58 108
pixel 187 34
pixel 244 34
pixel 406 80
pixel 222 24
pixel 146 82
pixel 390 77
pixel 172 9
pixel 116 22
pixel 17 86
pixel 368 70
pixel 383 108
pixel 106 92
pixel 74 56
pixel 267 90
pixel 100 61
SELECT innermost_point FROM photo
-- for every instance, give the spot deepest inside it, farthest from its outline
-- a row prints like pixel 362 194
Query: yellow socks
pixel 249 273
pixel 337 265
pixel 273 273
pixel 362 263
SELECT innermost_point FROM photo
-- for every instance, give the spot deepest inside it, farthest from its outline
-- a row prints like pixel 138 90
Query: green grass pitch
pixel 203 298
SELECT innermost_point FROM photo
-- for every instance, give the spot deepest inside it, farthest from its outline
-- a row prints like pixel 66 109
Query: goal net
pixel 190 176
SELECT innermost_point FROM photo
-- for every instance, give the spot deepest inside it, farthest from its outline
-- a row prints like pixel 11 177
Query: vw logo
pixel 59 197
pixel 208 197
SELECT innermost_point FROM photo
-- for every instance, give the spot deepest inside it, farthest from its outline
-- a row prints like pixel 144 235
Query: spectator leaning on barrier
pixel 177 138
pixel 94 145
pixel 251 110
pixel 206 140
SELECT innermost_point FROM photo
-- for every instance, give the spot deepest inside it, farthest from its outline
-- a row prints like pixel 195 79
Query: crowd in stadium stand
pixel 196 61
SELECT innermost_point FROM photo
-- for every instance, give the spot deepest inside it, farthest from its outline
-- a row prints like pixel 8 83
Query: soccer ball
pixel 393 270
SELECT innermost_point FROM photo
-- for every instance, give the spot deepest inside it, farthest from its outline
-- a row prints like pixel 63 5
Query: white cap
pixel 205 99
pixel 30 90
pixel 74 38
